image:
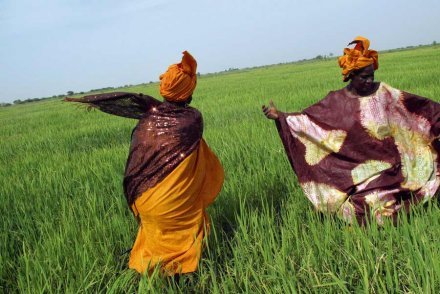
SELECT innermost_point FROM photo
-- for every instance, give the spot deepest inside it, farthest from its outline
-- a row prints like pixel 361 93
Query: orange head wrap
pixel 178 83
pixel 358 57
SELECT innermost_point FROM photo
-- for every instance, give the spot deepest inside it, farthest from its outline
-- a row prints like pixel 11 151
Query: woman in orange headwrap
pixel 172 214
pixel 367 150
pixel 171 174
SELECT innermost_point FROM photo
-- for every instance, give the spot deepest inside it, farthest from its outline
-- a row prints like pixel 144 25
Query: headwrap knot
pixel 358 57
pixel 178 83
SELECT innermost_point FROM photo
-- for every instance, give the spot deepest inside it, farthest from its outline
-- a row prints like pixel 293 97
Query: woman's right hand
pixel 271 112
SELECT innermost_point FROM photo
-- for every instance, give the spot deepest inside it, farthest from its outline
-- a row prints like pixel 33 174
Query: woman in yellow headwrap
pixel 367 150
pixel 171 174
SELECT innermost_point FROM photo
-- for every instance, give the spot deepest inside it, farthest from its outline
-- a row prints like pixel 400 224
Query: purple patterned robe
pixel 361 156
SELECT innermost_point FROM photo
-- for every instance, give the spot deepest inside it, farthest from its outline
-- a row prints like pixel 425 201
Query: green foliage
pixel 65 224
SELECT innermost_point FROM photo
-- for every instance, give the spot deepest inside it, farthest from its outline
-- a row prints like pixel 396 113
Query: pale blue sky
pixel 49 47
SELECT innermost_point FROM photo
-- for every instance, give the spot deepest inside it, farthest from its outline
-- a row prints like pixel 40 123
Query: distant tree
pixel 319 57
pixel 70 93
pixel 330 54
pixel 18 101
pixel 434 43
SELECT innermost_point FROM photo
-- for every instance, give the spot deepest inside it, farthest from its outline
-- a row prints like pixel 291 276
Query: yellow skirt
pixel 172 215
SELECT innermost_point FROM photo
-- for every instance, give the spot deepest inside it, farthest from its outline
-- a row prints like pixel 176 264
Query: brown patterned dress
pixel 163 137
pixel 365 156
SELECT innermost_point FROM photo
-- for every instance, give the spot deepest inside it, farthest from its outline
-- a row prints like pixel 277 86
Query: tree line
pixel 68 93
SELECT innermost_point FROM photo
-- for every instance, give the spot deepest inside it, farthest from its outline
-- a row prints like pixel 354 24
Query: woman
pixel 171 175
pixel 367 149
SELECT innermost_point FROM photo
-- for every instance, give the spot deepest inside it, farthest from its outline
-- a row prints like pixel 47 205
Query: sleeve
pixel 289 142
pixel 424 107
pixel 123 104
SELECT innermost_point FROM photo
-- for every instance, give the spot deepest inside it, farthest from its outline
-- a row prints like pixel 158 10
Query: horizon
pixel 316 58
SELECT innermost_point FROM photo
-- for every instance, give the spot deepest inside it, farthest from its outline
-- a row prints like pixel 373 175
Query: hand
pixel 271 112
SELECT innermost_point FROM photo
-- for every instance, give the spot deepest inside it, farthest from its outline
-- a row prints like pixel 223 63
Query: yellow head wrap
pixel 358 57
pixel 178 83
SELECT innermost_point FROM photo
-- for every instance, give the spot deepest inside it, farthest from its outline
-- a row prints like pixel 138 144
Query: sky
pixel 50 47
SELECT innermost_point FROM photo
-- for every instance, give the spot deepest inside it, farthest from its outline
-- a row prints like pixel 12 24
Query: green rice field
pixel 66 228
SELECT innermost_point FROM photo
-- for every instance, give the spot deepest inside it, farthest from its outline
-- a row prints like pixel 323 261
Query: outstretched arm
pixel 425 107
pixel 123 104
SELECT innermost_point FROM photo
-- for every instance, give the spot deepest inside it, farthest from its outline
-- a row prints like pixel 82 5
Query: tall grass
pixel 65 223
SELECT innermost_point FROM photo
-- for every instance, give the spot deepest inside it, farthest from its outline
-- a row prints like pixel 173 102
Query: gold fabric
pixel 178 83
pixel 358 57
pixel 173 220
